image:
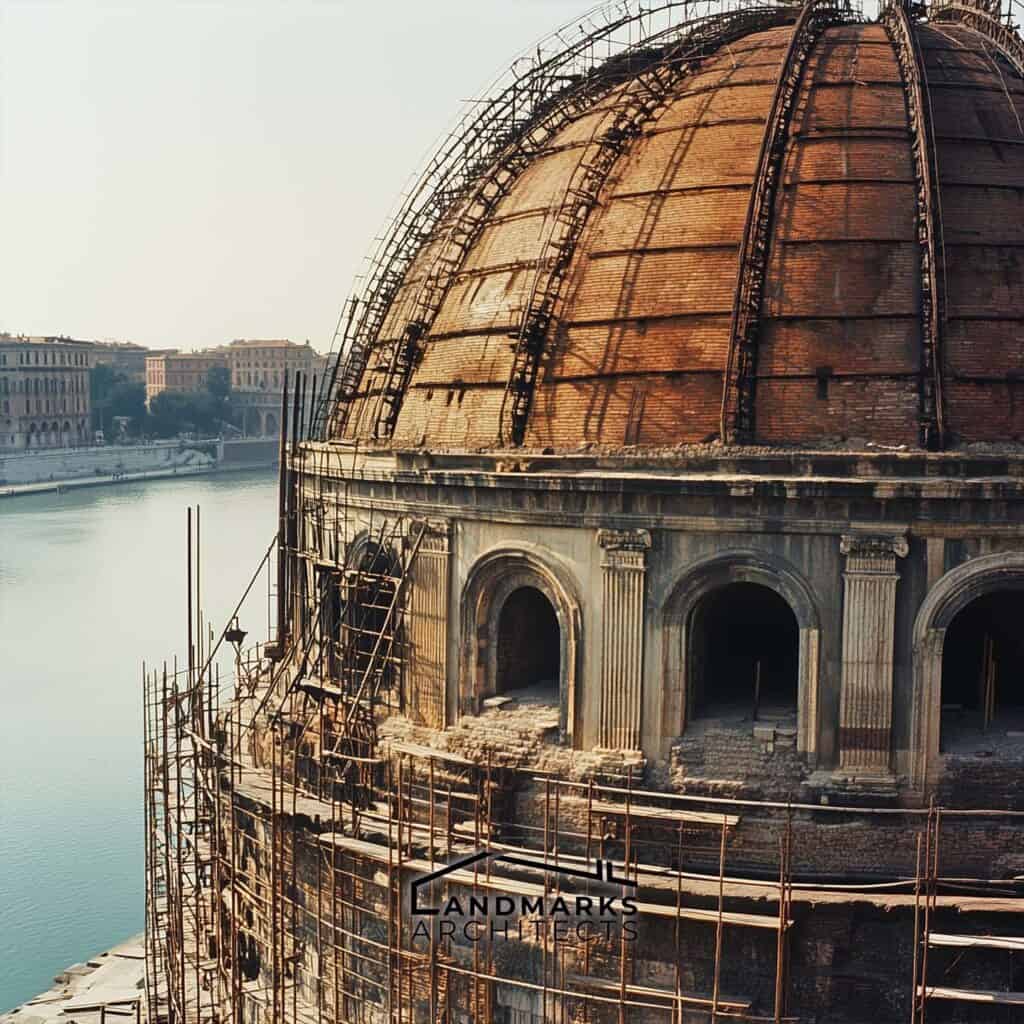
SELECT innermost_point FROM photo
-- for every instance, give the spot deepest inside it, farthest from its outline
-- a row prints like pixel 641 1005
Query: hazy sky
pixel 182 174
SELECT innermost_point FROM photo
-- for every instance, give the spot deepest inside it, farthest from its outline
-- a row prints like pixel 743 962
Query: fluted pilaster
pixel 869 612
pixel 622 640
pixel 427 627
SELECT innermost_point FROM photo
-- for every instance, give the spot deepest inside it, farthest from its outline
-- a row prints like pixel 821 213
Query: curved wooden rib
pixel 977 17
pixel 636 106
pixel 737 415
pixel 929 221
pixel 521 102
pixel 398 358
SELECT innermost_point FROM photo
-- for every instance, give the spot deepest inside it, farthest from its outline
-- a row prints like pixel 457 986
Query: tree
pixel 128 398
pixel 218 382
pixel 101 379
pixel 177 412
pixel 168 413
pixel 111 394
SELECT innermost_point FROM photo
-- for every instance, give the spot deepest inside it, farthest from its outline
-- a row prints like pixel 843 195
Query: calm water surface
pixel 92 583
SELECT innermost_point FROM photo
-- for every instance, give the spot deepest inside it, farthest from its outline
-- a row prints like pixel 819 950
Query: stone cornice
pixel 746 480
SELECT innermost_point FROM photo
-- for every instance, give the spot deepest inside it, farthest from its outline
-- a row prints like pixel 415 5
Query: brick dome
pixel 805 238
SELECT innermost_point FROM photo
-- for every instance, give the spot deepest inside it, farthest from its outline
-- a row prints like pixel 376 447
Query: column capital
pixel 624 540
pixel 873 552
pixel 437 536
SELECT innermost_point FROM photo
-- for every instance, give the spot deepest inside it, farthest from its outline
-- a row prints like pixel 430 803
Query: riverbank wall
pixel 68 469
pixel 106 987
pixel 65 464
pixel 249 453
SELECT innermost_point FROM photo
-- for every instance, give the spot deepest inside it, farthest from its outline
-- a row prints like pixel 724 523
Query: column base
pixel 858 788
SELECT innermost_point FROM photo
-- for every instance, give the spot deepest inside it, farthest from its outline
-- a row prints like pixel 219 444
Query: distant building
pixel 44 392
pixel 181 371
pixel 258 370
pixel 124 357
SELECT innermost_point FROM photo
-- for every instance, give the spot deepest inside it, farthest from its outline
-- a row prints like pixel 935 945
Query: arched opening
pixel 744 655
pixel 982 689
pixel 368 620
pixel 252 423
pixel 270 424
pixel 329 586
pixel 529 647
pixel 486 615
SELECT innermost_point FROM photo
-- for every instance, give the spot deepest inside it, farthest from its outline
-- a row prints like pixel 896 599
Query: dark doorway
pixel 983 671
pixel 529 645
pixel 329 595
pixel 744 654
pixel 369 620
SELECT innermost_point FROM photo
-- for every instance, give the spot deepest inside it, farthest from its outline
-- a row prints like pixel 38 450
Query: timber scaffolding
pixel 284 831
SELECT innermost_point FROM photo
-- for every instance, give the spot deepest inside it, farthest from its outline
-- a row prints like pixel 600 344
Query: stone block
pixel 500 702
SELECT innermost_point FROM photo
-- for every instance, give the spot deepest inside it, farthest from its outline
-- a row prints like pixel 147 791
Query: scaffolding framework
pixel 283 831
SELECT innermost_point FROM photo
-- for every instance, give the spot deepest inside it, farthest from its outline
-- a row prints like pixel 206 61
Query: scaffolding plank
pixel 667 814
pixel 514 886
pixel 418 750
pixel 1012 942
pixel 733 1004
pixel 968 995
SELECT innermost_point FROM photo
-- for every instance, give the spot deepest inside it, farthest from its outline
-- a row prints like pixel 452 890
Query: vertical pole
pixel 199 620
pixel 627 852
pixel 396 935
pixel 282 511
pixel 785 872
pixel 430 857
pixel 188 588
pixel 718 926
pixel 336 952
pixel 917 932
pixel 179 799
pixel 168 888
pixel 929 883
pixel 989 680
pixel 757 687
pixel 934 892
pixel 300 407
pixel 544 946
pixel 312 408
pixel 679 908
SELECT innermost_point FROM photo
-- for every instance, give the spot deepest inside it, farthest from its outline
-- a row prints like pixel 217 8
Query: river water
pixel 91 583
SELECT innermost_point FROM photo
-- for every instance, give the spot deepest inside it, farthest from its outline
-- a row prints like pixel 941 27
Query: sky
pixel 183 174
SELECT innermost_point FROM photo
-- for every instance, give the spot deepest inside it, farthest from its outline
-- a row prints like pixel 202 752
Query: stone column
pixel 869 611
pixel 622 638
pixel 427 628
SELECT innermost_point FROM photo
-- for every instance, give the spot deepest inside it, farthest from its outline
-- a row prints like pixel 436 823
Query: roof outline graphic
pixel 604 871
